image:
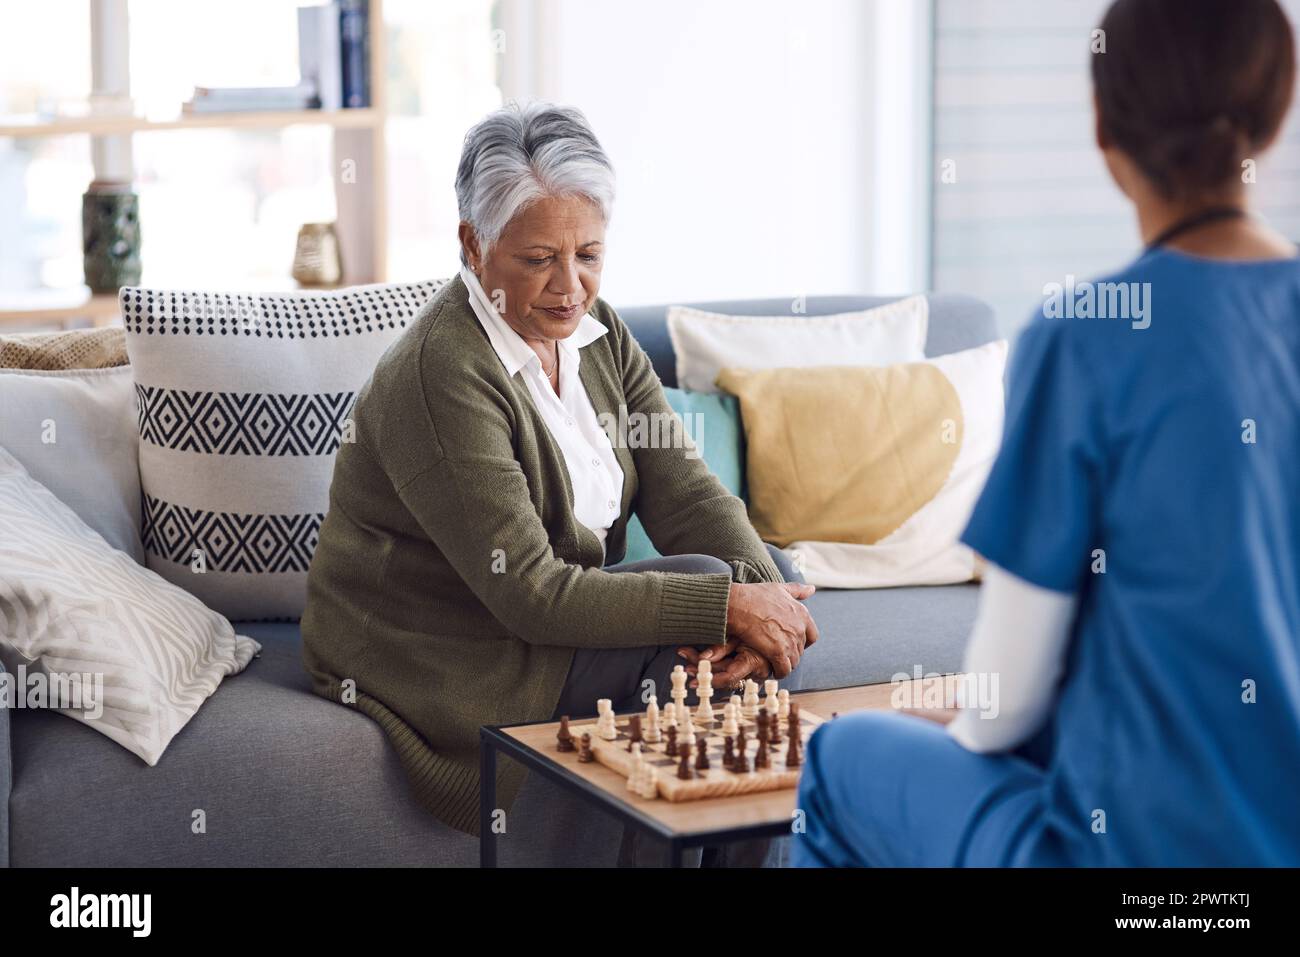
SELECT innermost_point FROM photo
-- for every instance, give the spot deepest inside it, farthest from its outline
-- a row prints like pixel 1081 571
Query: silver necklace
pixel 545 371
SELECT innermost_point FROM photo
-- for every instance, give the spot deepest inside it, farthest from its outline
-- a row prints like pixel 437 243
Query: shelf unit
pixel 361 198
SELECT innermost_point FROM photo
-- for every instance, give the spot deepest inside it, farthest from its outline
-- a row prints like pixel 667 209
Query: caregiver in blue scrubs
pixel 1142 522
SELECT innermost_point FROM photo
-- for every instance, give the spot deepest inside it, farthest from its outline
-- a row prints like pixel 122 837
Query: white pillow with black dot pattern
pixel 243 402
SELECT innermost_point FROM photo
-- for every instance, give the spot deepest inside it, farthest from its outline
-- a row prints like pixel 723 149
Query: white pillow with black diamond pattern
pixel 86 631
pixel 244 399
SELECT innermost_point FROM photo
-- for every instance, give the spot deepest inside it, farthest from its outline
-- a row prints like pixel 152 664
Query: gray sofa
pixel 284 778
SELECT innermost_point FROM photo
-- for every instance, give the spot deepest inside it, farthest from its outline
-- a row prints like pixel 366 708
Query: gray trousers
pixel 550 826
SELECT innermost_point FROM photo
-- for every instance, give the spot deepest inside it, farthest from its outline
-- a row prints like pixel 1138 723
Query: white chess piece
pixel 638 765
pixel 649 781
pixel 605 726
pixel 679 677
pixel 652 732
pixel 686 735
pixel 749 708
pixel 770 703
pixel 704 713
pixel 730 724
pixel 669 714
pixel 783 697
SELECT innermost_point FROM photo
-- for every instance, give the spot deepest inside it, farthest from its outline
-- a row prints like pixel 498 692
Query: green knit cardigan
pixel 452 583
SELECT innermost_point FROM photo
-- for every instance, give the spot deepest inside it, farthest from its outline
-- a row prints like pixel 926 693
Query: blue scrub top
pixel 1173 453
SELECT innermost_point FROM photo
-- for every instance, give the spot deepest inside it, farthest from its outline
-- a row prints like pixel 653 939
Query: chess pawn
pixel 638 765
pixel 728 752
pixel 688 736
pixel 652 731
pixel 671 748
pixel 783 703
pixel 702 755
pixel 770 689
pixel 669 715
pixel 749 707
pixel 585 755
pixel 564 737
pixel 649 782
pixel 734 701
pixel 741 763
pixel 684 771
pixel 730 725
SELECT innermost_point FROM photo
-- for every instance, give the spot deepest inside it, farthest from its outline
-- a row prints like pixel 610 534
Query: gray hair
pixel 518 155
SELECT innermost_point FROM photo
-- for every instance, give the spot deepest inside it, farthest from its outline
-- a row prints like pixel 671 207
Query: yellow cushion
pixel 844 453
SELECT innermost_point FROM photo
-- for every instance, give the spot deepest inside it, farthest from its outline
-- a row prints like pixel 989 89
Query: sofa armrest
pixel 6 779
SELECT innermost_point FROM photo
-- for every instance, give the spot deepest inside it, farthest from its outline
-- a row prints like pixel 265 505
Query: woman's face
pixel 543 274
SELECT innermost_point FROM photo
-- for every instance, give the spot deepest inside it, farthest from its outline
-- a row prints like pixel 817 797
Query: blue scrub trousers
pixel 888 790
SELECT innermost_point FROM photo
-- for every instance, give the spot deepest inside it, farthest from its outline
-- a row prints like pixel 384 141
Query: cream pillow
pixel 74 608
pixel 74 431
pixel 706 342
pixel 868 476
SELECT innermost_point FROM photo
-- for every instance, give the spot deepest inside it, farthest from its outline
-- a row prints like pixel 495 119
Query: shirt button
pixel 568 422
pixel 611 503
pixel 595 462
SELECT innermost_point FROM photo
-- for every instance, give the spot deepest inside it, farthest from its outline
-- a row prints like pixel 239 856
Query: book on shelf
pixel 320 56
pixel 301 96
pixel 354 34
pixel 333 63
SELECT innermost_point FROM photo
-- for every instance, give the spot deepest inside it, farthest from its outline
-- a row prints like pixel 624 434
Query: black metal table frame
pixel 492 739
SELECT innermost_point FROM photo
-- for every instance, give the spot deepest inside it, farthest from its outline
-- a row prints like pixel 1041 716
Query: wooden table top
pixel 712 814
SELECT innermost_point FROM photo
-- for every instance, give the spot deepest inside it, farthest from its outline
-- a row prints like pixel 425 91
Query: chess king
pixel 477 524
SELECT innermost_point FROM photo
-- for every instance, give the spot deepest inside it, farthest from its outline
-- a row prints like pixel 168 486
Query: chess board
pixel 717 781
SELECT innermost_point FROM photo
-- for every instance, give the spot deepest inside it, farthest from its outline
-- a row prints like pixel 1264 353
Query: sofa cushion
pixel 282 778
pixel 90 633
pixel 956 322
pixel 74 431
pixel 870 636
pixel 706 342
pixel 713 423
pixel 244 400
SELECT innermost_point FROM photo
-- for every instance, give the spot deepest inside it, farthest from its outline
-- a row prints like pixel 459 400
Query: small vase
pixel 317 260
pixel 110 237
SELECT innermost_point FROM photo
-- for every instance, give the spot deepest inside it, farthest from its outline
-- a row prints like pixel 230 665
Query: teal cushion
pixel 714 422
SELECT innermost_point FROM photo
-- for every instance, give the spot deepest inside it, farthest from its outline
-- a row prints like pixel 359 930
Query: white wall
pixel 740 131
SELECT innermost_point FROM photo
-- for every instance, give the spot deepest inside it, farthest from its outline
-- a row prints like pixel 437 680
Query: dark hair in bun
pixel 1191 88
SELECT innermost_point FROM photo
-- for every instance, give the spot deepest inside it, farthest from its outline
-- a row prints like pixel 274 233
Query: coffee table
pixel 682 824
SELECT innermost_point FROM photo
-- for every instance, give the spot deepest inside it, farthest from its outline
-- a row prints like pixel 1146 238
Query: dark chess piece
pixel 728 753
pixel 684 771
pixel 634 731
pixel 563 736
pixel 585 755
pixel 702 754
pixel 774 731
pixel 741 741
pixel 671 748
pixel 741 764
pixel 761 757
pixel 792 758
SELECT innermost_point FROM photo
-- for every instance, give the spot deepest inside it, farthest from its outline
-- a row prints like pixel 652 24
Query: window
pixel 1027 199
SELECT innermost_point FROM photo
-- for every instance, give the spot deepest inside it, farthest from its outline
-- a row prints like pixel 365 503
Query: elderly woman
pixel 461 575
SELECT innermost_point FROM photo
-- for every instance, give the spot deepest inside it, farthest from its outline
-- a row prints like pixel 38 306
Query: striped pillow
pixel 86 631
pixel 243 401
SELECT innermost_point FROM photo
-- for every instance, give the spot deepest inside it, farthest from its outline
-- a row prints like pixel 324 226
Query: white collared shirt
pixel 594 472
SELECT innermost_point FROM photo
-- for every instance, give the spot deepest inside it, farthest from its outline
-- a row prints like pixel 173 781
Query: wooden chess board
pixel 717 781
